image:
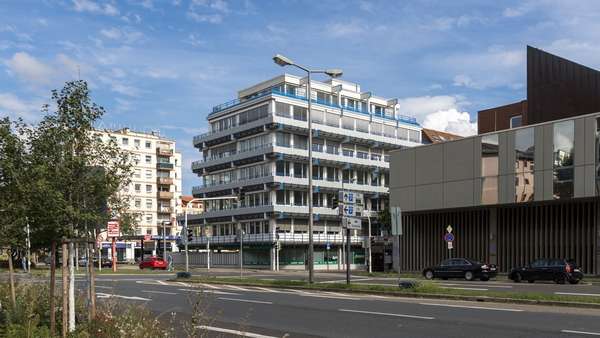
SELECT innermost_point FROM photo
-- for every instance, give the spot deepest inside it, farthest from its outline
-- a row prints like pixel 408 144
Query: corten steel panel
pixel 429 164
pixel 458 160
pixel 403 165
pixel 558 88
pixel 498 118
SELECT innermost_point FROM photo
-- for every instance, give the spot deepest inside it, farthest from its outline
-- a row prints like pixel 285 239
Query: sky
pixel 163 64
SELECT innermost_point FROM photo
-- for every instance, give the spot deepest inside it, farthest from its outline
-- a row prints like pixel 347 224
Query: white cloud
pixel 93 7
pixel 211 11
pixel 194 40
pixel 210 18
pixel 440 112
pixel 125 35
pixel 160 73
pixel 11 105
pixel 29 69
pixel 345 28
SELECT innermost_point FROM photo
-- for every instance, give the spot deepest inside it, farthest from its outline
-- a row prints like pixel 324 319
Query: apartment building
pixel 155 188
pixel 257 148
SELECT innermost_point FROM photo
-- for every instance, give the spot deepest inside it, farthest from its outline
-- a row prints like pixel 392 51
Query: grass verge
pixel 423 289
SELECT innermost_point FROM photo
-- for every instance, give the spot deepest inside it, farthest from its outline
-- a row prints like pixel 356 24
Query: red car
pixel 154 263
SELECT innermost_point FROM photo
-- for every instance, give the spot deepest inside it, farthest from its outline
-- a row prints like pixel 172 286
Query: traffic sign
pixel 113 229
pixel 350 197
pixel 349 210
pixel 396 214
pixel 450 247
pixel 449 228
pixel 351 223
pixel 449 237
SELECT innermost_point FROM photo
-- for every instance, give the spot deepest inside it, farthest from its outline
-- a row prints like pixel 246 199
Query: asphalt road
pixel 268 312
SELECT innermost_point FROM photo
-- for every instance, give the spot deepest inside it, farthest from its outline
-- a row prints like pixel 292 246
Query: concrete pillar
pixel 273 256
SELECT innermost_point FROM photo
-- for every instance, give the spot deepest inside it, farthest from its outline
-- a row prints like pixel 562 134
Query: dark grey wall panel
pixel 429 164
pixel 458 160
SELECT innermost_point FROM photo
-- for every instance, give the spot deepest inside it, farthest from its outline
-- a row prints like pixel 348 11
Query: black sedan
pixel 461 268
pixel 557 270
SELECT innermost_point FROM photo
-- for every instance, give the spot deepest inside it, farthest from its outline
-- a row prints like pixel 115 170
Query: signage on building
pixel 348 210
pixel 112 228
pixel 351 223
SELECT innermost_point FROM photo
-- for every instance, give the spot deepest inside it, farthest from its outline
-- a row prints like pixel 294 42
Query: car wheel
pixel 517 278
pixel 469 275
pixel 485 279
pixel 428 274
pixel 531 281
pixel 574 281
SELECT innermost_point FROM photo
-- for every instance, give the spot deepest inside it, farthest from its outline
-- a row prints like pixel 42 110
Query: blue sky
pixel 162 64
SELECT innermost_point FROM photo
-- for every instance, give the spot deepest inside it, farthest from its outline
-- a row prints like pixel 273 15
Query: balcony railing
pixel 165 195
pixel 164 180
pixel 164 166
pixel 164 151
pixel 231 153
pixel 165 210
pixel 281 237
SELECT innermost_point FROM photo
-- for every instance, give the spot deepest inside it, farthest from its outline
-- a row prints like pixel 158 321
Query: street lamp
pixel 284 61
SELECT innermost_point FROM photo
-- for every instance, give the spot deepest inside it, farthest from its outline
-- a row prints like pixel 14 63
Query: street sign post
pixel 396 214
pixel 348 210
pixel 351 223
pixel 449 238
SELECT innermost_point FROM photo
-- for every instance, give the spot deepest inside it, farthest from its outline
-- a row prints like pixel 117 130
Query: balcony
pixel 164 151
pixel 164 166
pixel 164 180
pixel 285 238
pixel 165 210
pixel 165 195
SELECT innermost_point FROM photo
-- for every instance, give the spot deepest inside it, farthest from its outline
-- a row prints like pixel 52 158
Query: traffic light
pixel 190 234
pixel 335 202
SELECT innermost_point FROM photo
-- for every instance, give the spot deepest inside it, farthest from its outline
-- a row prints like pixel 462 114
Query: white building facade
pixel 258 146
pixel 154 191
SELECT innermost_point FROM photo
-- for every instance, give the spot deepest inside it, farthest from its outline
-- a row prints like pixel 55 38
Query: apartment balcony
pixel 161 151
pixel 166 210
pixel 280 209
pixel 164 180
pixel 231 156
pixel 164 166
pixel 165 195
pixel 284 238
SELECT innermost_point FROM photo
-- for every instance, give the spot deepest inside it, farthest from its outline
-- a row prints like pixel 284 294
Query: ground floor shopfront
pixel 507 235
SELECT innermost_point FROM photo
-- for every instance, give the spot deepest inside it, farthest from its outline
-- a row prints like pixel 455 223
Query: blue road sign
pixel 449 237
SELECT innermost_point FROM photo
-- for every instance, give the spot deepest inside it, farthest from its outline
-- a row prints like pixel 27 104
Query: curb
pixel 411 295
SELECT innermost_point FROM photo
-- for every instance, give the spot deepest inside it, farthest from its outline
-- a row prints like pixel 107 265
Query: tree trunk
pixel 52 288
pixel 65 293
pixel 11 277
pixel 92 281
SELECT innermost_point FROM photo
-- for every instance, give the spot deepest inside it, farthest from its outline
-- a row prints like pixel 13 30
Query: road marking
pixel 235 332
pixel 106 295
pixel 161 292
pixel 267 290
pixel 237 288
pixel 245 300
pixel 216 292
pixel 386 314
pixel 184 284
pixel 578 294
pixel 581 332
pixel 209 286
pixel 473 307
pixel 162 282
pixel 457 288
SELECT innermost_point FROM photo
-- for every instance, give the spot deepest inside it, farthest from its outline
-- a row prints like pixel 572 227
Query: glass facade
pixel 562 158
pixel 524 164
pixel 489 169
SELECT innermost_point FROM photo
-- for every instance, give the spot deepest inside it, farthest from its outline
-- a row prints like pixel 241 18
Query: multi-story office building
pixel 525 188
pixel 155 188
pixel 258 146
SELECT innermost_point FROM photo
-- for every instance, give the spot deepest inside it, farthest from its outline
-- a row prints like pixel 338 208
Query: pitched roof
pixel 436 136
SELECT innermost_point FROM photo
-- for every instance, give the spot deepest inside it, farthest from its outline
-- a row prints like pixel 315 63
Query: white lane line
pixel 581 332
pixel 235 332
pixel 473 307
pixel 267 290
pixel 578 294
pixel 209 286
pixel 184 284
pixel 162 282
pixel 216 292
pixel 237 288
pixel 245 300
pixel 458 288
pixel 106 295
pixel 387 314
pixel 161 292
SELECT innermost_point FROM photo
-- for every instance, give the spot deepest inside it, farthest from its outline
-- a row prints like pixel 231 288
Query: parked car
pixel 106 262
pixel 153 263
pixel 461 268
pixel 557 270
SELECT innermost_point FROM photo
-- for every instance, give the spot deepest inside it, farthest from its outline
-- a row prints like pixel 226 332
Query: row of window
pixel 150 188
pixel 332 174
pixel 241 118
pixel 246 173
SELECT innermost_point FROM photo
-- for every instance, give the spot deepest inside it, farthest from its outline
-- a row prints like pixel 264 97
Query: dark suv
pixel 558 270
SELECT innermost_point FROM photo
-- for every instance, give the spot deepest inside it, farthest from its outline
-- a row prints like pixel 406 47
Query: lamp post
pixel 187 261
pixel 284 61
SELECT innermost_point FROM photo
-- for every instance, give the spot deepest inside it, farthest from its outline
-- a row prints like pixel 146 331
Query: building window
pixel 282 109
pixel 300 142
pixel 282 168
pixel 489 169
pixel 148 231
pixel 137 173
pixel 138 203
pixel 149 174
pixel 148 218
pixel 125 141
pixel 148 144
pixel 516 121
pixel 524 164
pixel 563 153
pixel 414 136
pixel 148 188
pixel 148 159
pixel 300 113
pixel 282 139
pixel 149 203
pixel 136 142
pixel 138 188
pixel 300 170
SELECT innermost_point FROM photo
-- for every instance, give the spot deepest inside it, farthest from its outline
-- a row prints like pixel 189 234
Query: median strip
pixel 387 314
